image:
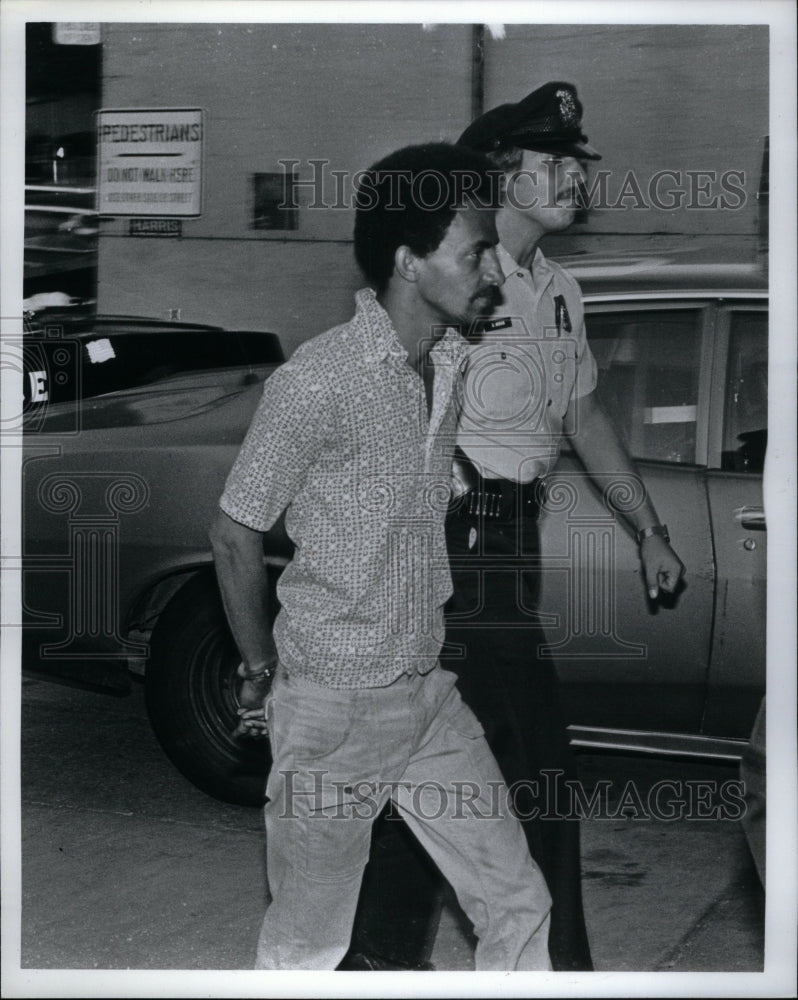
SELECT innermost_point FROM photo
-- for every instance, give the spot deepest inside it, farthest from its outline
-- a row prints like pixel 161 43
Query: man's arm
pixel 284 441
pixel 601 450
pixel 243 582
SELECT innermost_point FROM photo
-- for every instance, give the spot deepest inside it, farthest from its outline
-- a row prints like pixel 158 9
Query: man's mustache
pixel 492 293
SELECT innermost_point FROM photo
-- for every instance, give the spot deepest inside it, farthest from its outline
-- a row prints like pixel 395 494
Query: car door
pixel 734 490
pixel 627 662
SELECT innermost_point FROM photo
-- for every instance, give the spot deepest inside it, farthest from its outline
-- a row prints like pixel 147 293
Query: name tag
pixel 497 324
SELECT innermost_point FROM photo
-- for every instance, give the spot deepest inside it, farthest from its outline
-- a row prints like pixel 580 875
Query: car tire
pixel 191 693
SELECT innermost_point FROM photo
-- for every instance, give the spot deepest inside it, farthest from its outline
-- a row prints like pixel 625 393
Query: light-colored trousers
pixel 338 755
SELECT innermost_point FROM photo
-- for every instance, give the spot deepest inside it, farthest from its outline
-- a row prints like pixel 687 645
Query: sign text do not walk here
pixel 149 161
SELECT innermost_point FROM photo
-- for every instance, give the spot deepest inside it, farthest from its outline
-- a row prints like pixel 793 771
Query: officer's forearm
pixel 602 452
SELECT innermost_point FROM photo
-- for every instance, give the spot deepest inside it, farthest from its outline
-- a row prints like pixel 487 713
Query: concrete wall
pixel 676 97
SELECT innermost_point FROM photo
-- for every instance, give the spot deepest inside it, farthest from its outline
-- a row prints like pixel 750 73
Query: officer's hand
pixel 662 568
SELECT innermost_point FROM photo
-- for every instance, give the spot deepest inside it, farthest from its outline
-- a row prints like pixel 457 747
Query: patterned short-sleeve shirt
pixel 343 442
pixel 530 362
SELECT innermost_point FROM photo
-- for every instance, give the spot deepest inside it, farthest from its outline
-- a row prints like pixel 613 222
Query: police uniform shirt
pixel 530 361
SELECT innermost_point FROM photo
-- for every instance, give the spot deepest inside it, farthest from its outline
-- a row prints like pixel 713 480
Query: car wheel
pixel 191 692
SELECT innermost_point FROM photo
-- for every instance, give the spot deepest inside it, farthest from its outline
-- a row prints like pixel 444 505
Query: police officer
pixel 530 381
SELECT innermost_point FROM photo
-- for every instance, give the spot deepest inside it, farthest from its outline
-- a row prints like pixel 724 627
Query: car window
pixel 261 348
pixel 745 420
pixel 128 361
pixel 63 370
pixel 648 378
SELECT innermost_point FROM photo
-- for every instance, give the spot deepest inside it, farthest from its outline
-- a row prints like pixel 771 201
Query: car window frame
pixel 726 309
pixel 654 302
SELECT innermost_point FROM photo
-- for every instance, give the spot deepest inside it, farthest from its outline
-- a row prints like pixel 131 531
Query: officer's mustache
pixel 574 195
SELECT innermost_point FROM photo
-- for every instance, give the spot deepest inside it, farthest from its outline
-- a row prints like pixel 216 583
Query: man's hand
pixel 662 568
pixel 251 696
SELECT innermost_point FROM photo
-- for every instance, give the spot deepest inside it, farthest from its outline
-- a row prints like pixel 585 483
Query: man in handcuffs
pixel 354 440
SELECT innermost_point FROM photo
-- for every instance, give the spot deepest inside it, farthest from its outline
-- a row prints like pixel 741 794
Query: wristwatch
pixel 655 529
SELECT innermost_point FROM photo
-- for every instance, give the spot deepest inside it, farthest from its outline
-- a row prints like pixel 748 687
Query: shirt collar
pixel 452 349
pixel 381 337
pixel 383 341
pixel 510 265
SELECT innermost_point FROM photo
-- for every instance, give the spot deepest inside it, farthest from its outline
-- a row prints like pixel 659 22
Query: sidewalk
pixel 117 890
pixel 128 866
pixel 657 898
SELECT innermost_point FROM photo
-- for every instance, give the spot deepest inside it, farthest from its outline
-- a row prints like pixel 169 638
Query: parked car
pixel 132 426
pixel 60 249
pixel 681 343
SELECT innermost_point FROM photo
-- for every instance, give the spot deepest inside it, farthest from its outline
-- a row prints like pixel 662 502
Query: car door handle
pixel 752 518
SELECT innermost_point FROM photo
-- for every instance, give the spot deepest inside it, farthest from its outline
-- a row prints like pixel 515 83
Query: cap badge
pixel 568 111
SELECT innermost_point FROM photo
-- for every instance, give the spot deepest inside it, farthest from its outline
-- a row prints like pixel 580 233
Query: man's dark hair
pixel 410 198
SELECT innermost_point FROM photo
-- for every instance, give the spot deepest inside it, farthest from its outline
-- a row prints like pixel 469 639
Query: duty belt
pixel 498 500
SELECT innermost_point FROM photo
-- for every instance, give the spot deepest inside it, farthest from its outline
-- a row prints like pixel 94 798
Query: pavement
pixel 659 897
pixel 125 866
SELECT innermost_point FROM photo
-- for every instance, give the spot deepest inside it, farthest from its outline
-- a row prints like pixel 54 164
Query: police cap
pixel 549 120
